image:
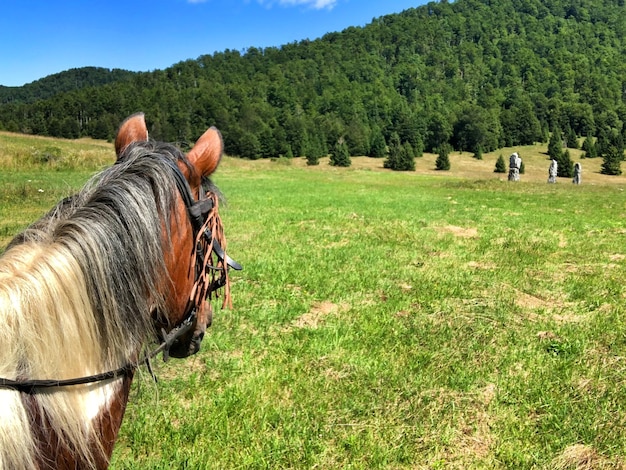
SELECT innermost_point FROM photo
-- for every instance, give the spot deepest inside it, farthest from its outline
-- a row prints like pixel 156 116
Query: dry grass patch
pixel 471 438
pixel 524 300
pixel 460 232
pixel 476 440
pixel 565 318
pixel 481 265
pixel 583 457
pixel 316 316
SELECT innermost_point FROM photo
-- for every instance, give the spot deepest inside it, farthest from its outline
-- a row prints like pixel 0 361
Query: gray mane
pixel 113 228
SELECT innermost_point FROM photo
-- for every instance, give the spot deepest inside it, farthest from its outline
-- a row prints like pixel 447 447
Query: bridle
pixel 207 231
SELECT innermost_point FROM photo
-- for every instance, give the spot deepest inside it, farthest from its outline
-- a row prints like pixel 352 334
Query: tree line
pixel 69 80
pixel 473 75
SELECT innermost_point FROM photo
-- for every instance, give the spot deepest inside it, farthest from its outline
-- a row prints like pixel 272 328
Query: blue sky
pixel 42 37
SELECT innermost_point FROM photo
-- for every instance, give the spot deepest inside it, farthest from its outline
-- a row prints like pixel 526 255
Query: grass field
pixel 390 320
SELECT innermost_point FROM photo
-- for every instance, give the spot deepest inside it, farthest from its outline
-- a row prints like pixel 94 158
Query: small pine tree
pixel 522 168
pixel 393 157
pixel 566 165
pixel 418 147
pixel 571 139
pixel 478 154
pixel 555 145
pixel 249 146
pixel 303 147
pixel 401 157
pixel 611 164
pixel 378 146
pixel 340 155
pixel 500 165
pixel 602 142
pixel 314 152
pixel 443 159
pixel 613 155
pixel 407 158
pixel 589 148
pixel 312 160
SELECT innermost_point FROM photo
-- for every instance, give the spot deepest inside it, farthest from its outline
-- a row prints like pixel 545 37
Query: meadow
pixel 385 320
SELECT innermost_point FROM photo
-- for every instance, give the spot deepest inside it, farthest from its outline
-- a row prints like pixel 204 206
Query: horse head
pixel 184 235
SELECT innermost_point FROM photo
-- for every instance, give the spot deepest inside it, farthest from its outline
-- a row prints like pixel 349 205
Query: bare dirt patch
pixel 524 300
pixel 568 318
pixel 315 317
pixel 581 457
pixel 461 232
pixel 547 336
pixel 474 439
pixel 481 265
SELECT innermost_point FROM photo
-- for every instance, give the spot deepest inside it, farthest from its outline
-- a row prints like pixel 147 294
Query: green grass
pixel 394 321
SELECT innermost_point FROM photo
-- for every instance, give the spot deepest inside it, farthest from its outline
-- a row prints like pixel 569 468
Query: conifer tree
pixel 566 165
pixel 340 155
pixel 314 151
pixel 602 142
pixel 312 159
pixel 395 149
pixel 555 145
pixel 478 154
pixel 407 158
pixel 589 148
pixel 613 155
pixel 378 146
pixel 304 147
pixel 249 146
pixel 611 164
pixel 443 160
pixel 418 147
pixel 571 139
pixel 500 165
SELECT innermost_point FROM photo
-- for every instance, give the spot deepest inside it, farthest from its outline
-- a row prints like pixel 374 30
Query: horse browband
pixel 198 213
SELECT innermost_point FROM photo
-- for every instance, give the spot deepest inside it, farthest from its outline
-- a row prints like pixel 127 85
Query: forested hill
pixel 473 73
pixel 70 80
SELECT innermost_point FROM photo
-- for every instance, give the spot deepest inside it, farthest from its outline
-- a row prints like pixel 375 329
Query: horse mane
pixel 78 289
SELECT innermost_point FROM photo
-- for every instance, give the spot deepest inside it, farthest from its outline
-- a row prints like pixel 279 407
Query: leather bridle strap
pixel 30 386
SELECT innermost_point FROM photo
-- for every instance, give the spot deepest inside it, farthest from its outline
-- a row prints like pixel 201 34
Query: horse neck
pixel 77 423
pixel 53 453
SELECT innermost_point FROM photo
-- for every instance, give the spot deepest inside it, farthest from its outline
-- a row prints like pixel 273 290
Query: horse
pixel 133 259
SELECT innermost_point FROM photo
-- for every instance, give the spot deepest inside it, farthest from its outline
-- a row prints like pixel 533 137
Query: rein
pixel 208 233
pixel 30 386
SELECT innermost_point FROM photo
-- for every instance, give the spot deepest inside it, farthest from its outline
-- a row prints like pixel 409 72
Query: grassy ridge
pixel 390 320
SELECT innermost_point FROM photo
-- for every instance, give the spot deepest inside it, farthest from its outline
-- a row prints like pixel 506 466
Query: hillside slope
pixel 69 80
pixel 471 74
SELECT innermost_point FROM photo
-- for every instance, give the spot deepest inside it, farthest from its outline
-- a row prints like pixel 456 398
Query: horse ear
pixel 206 154
pixel 133 129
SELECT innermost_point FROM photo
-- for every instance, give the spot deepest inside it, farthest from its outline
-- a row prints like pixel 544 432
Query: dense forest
pixel 472 75
pixel 70 80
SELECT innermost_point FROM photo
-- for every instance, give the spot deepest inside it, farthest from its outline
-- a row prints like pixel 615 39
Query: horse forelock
pixel 76 294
